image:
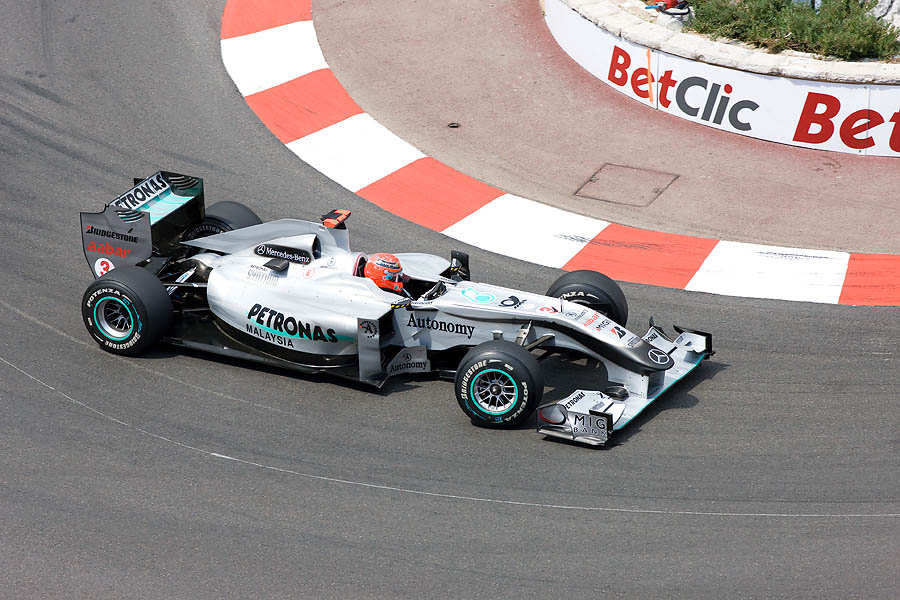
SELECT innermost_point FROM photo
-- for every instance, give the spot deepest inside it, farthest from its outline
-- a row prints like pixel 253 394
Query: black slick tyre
pixel 221 217
pixel 594 290
pixel 498 384
pixel 127 310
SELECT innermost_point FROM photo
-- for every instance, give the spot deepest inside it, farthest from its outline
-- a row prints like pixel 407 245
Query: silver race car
pixel 291 293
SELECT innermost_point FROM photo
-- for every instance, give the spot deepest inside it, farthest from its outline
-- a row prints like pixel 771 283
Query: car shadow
pixel 677 397
pixel 563 374
pixel 166 352
pixel 396 384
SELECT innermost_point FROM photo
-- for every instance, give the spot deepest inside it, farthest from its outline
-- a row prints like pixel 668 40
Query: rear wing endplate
pixel 153 216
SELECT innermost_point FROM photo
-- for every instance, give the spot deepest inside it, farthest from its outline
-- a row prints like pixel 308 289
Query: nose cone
pixel 660 359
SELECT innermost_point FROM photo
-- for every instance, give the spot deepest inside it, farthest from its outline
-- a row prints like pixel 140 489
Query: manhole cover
pixel 626 185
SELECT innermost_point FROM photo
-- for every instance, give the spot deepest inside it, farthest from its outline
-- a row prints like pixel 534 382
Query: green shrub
pixel 841 28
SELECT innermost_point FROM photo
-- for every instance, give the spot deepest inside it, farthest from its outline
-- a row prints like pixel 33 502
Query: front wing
pixel 591 416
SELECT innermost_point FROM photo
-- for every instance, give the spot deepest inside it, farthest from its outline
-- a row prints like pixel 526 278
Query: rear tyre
pixel 221 217
pixel 594 290
pixel 498 384
pixel 127 310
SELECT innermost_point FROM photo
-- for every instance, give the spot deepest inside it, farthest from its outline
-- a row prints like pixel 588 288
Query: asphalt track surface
pixel 773 473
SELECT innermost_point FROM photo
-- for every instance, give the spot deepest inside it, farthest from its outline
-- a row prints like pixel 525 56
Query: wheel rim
pixel 113 318
pixel 494 391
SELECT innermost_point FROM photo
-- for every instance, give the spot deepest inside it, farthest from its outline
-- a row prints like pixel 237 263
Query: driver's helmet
pixel 385 270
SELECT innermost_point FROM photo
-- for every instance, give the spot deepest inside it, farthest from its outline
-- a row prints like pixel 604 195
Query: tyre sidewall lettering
pixel 117 294
pixel 206 228
pixel 492 363
pixel 523 402
pixel 592 301
pixel 571 296
pixel 467 376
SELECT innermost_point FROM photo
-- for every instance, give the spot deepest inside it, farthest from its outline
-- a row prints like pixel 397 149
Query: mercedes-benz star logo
pixel 658 356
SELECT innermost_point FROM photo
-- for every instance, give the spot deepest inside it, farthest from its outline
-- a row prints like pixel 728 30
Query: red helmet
pixel 385 270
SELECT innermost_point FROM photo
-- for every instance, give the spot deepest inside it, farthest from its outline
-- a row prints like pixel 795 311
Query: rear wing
pixel 149 219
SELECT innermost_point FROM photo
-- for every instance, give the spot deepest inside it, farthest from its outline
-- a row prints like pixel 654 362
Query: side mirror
pixel 459 264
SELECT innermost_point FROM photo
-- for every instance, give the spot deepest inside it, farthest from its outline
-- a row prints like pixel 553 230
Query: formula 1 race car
pixel 291 293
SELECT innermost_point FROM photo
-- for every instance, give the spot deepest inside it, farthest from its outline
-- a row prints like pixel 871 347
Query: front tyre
pixel 594 290
pixel 127 310
pixel 498 384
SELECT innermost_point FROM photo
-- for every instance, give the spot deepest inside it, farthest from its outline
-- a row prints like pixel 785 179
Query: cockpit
pixel 418 275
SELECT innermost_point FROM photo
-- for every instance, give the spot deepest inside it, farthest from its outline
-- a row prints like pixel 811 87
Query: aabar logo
pixel 714 109
pixel 107 249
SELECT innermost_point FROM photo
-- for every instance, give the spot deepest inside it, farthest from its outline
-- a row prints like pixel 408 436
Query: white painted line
pixel 356 152
pixel 217 455
pixel 426 493
pixel 527 230
pixel 756 271
pixel 257 61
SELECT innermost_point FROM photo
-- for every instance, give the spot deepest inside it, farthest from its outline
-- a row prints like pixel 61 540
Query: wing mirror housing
pixel 459 265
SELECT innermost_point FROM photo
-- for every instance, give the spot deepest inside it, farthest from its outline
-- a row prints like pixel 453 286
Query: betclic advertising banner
pixel 850 118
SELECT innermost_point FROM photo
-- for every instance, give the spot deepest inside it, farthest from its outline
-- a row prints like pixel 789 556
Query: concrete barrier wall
pixel 856 118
